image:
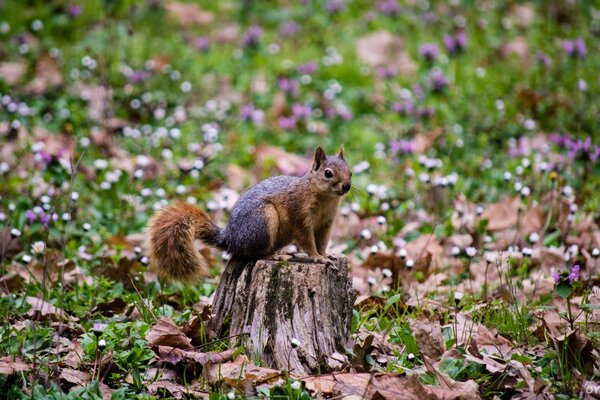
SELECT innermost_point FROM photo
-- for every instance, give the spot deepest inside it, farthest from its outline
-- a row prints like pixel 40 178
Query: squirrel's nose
pixel 346 187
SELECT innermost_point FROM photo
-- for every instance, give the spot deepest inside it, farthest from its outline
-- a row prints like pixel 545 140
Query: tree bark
pixel 273 302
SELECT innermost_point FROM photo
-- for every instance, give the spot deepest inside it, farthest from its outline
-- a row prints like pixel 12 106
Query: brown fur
pixel 171 235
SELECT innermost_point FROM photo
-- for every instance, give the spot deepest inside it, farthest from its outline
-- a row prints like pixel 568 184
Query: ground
pixel 471 231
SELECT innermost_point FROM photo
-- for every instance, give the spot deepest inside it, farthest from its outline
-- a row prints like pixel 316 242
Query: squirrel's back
pixel 248 225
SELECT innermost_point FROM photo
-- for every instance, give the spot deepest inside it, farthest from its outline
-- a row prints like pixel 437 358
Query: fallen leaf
pixel 384 49
pixel 47 75
pixel 11 365
pixel 449 388
pixel 270 157
pixel 523 14
pixel 242 372
pixel 424 141
pixel 12 72
pixel 502 215
pixel 97 97
pixel 110 308
pixel 75 355
pixel 196 359
pixel 170 389
pixel 188 14
pixel 166 333
pixel 385 386
pixel 9 246
pixel 74 376
pixel 429 336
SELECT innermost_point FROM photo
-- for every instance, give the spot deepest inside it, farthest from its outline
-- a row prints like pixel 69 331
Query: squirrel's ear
pixel 340 153
pixel 319 158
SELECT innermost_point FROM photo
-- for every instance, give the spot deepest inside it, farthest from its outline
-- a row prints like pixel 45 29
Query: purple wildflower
pixel 574 275
pixel 386 72
pixel 287 123
pixel 425 112
pixel 289 29
pixel 249 113
pixel 246 112
pixel 397 107
pixel 74 10
pixel 308 68
pixel 335 6
pixel 429 51
pixel 402 146
pixel 30 216
pixel 418 91
pixel 580 47
pixel 287 85
pixel 253 36
pixel 138 76
pixel 569 47
pixel 438 80
pixel 301 111
pixel 575 48
pixel 455 44
pixel 389 7
pixel 45 219
pixel 203 43
pixel 543 59
pixel 345 113
pixel 556 277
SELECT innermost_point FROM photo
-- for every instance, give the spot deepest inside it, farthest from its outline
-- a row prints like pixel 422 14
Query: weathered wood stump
pixel 274 302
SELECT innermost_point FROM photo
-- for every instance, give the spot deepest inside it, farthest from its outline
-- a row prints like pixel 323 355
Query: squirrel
pixel 267 217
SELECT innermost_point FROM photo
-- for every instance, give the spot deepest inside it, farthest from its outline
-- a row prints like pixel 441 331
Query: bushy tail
pixel 170 242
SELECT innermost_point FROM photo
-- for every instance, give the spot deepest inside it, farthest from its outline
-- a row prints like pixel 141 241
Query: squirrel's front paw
pixel 322 260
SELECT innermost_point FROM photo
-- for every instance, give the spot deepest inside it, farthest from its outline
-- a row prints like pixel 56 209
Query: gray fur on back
pixel 246 232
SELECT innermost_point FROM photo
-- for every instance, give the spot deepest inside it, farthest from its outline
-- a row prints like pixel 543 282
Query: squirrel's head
pixel 330 175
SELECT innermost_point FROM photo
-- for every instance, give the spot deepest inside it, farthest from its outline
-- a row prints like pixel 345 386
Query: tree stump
pixel 273 302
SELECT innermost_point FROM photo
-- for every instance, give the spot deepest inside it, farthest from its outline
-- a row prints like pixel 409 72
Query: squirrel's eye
pixel 328 173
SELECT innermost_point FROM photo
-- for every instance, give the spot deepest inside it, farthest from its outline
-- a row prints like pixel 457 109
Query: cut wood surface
pixel 274 302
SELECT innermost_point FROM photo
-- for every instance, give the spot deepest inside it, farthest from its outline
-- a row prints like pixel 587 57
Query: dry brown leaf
pixel 188 14
pixel 197 360
pixel 464 215
pixel 502 215
pixel 523 14
pixel 424 141
pixel 429 336
pixel 449 388
pixel 110 308
pixel 75 377
pixel 239 179
pixel 11 365
pixel 242 372
pixel 166 333
pixel 270 157
pixel 384 49
pixel 97 97
pixel 10 282
pixel 170 389
pixel 363 386
pixel 75 355
pixel 533 221
pixel 47 75
pixel 42 309
pixel 517 46
pixel 9 246
pixel 12 72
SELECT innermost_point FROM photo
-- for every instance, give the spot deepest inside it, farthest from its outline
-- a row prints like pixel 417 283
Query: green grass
pixel 491 102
